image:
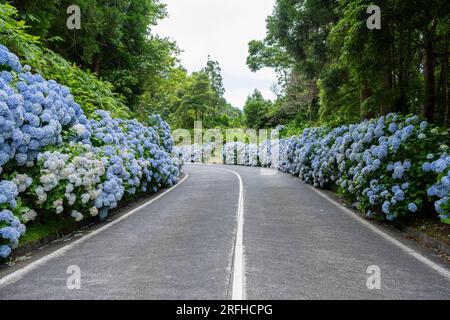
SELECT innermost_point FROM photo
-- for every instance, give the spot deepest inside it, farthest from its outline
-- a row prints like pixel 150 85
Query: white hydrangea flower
pixel 22 182
pixel 49 181
pixel 58 203
pixel 71 198
pixel 77 216
pixel 28 216
pixel 93 211
pixel 85 197
pixel 41 194
pixel 79 129
pixel 422 136
pixel 69 188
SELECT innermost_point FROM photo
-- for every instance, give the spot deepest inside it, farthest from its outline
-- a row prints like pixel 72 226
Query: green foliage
pixel 183 99
pixel 48 227
pixel 114 40
pixel 255 110
pixel 335 70
pixel 338 95
pixel 116 44
pixel 197 98
pixel 13 34
pixel 90 92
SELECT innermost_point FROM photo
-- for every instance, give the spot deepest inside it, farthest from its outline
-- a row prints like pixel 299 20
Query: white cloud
pixel 222 29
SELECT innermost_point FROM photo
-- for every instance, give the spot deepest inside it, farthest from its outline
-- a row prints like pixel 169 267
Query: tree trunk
pixel 366 93
pixel 96 65
pixel 386 106
pixel 428 72
pixel 387 83
pixel 404 62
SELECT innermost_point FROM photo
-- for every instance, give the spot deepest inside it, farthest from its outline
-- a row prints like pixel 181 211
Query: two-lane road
pixel 296 245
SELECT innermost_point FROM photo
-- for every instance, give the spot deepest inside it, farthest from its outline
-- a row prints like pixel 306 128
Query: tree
pixel 115 39
pixel 214 72
pixel 256 110
pixel 356 72
pixel 198 97
pixel 295 45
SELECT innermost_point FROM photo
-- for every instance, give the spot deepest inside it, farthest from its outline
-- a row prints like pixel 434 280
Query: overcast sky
pixel 222 29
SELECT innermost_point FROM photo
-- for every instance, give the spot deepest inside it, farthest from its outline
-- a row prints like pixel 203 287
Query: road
pixel 296 245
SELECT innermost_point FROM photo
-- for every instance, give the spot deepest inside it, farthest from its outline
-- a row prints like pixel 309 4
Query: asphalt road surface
pixel 296 244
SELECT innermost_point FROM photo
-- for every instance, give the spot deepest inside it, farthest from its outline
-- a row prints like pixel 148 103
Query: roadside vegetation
pixel 86 115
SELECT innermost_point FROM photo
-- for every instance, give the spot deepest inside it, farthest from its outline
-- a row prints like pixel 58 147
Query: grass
pixel 41 230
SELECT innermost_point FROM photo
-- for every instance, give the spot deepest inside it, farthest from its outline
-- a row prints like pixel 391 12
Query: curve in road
pixel 191 243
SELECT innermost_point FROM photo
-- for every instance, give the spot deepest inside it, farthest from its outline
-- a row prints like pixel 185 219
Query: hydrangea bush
pixel 54 160
pixel 387 167
pixel 192 153
pixel 195 152
pixel 441 188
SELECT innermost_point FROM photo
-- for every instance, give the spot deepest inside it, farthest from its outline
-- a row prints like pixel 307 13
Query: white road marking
pixel 441 270
pixel 19 274
pixel 238 292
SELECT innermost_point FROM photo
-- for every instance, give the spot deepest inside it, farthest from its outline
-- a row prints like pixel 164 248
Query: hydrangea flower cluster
pixel 123 159
pixel 264 153
pixel 22 182
pixel 235 153
pixel 194 152
pixel 33 112
pixel 75 165
pixel 9 59
pixel 137 153
pixel 251 150
pixel 8 194
pixel 11 229
pixel 232 153
pixel 77 179
pixel 441 189
pixel 241 154
pixel 163 130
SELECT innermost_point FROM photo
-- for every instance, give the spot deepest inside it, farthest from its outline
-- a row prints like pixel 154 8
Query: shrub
pixel 387 167
pixel 54 160
pixel 441 188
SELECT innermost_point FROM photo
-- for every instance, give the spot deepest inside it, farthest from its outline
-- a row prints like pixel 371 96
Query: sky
pixel 222 29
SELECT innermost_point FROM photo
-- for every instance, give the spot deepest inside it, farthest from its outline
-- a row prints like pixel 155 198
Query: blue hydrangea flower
pixel 412 207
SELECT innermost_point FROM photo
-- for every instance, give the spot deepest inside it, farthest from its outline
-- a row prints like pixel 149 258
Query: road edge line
pixel 436 267
pixel 20 273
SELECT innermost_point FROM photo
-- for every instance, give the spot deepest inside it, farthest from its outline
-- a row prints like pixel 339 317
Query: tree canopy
pixel 334 69
pixel 116 44
pixel 331 67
